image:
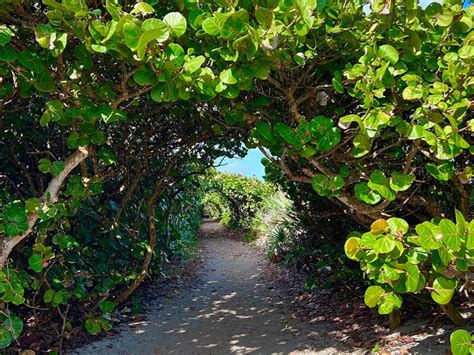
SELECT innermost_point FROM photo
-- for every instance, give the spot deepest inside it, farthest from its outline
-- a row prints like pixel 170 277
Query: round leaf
pixel 14 324
pixel 372 295
pixel 461 342
pixel 384 244
pixel 401 182
pixel 176 22
pixel 5 337
pixel 388 53
pixel 365 194
pixel 36 262
pixel 397 225
pixel 352 247
pixel 443 290
pixel 379 226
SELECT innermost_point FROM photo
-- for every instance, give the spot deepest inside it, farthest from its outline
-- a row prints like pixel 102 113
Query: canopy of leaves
pixel 109 111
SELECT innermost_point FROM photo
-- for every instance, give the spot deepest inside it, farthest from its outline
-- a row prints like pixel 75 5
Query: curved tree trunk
pixel 149 253
pixel 50 197
pixel 150 204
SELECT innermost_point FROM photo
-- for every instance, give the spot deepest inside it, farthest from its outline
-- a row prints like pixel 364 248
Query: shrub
pixel 436 256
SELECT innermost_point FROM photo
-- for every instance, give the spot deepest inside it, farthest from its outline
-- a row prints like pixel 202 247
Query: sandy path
pixel 233 309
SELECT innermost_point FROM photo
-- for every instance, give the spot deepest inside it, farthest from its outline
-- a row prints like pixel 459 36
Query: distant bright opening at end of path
pixel 250 165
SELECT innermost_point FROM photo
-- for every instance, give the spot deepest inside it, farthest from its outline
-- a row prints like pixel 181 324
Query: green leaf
pixel 379 183
pixel 444 19
pixel 99 48
pixel 64 241
pixel 57 299
pixel 397 251
pixel 308 151
pixel 390 273
pixel 443 171
pixel 15 213
pixel 107 306
pixel 470 236
pixel 93 326
pixel 413 277
pixel 59 44
pixel 337 84
pixel 211 26
pixel 7 53
pixel 401 182
pixel 5 337
pixel 98 137
pixel 461 224
pixel 466 52
pixel 155 30
pixel 451 237
pixel 5 34
pixel 286 132
pixel 107 156
pixel 264 16
pixel 388 53
pixel 352 247
pixel 372 296
pixel 44 83
pixel 413 93
pixel 131 34
pixel 326 135
pixel 56 168
pixel 265 130
pixel 443 290
pixel 32 204
pixel 176 22
pixel 384 244
pixel 430 235
pixel 235 24
pixel 43 34
pixel 227 77
pixel 142 8
pixel 322 185
pixel 48 296
pixel 14 324
pixel 299 58
pixel 194 64
pixel 433 9
pixel 14 229
pixel 144 76
pixel 397 225
pixel 73 140
pixel 389 302
pixel 365 194
pixel 461 342
pixel 36 262
pixel 54 112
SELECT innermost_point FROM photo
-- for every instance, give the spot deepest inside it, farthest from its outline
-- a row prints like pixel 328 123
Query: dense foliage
pixel 234 199
pixel 111 109
pixel 437 258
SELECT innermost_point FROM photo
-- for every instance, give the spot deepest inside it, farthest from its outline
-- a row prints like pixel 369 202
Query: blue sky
pixel 250 165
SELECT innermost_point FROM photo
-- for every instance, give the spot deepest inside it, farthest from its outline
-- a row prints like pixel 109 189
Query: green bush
pixel 436 256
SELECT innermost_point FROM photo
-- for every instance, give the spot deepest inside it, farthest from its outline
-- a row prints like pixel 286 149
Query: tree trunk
pixel 159 186
pixel 50 197
pixel 453 314
pixel 394 319
pixel 148 256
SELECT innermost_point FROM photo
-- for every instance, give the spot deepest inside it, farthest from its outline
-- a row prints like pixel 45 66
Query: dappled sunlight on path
pixel 232 309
